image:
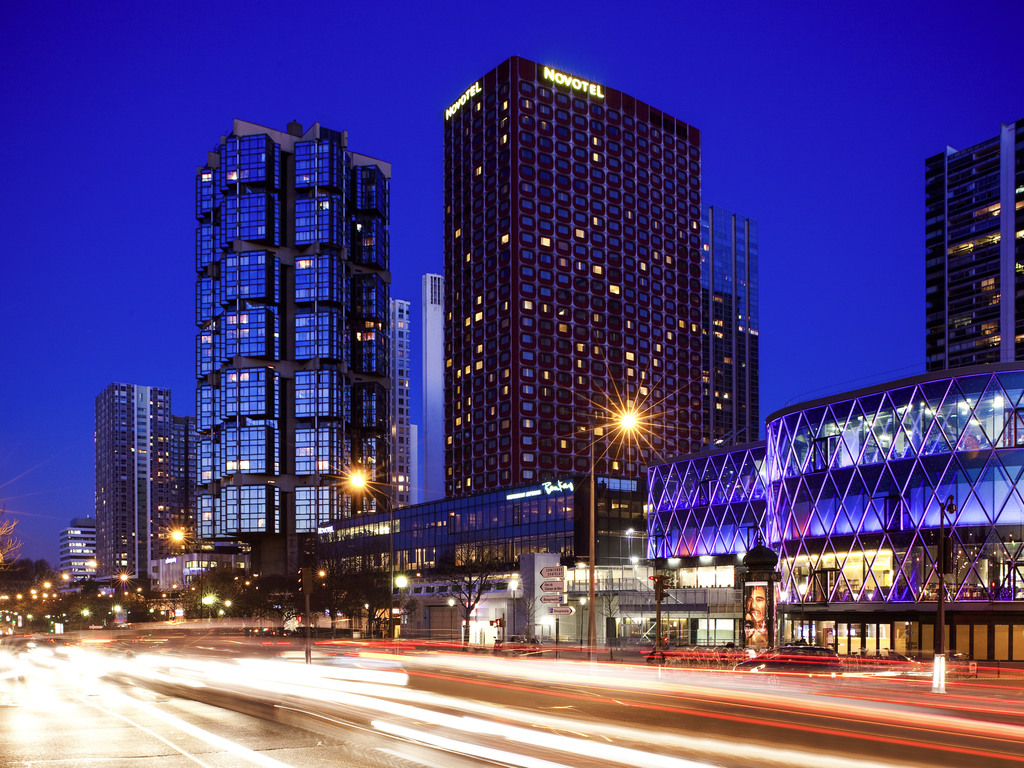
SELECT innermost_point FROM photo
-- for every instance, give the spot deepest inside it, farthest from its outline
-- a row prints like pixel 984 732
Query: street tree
pixel 469 571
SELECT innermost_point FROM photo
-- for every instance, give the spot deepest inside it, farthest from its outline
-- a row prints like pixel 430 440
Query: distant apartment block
pixel 974 243
pixel 141 479
pixel 401 437
pixel 78 549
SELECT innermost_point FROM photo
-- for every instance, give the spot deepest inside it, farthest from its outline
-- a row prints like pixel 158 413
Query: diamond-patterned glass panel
pixel 852 493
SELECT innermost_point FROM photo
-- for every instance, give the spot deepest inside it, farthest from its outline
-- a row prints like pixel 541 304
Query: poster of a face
pixel 755 615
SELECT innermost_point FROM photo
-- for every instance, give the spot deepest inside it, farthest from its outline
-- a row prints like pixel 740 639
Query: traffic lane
pixel 61 720
pixel 814 716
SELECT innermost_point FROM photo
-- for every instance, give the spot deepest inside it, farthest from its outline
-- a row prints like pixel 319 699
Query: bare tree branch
pixel 10 546
pixel 469 572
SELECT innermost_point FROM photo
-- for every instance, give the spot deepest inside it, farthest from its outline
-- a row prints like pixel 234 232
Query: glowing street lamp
pixel 626 423
pixel 358 480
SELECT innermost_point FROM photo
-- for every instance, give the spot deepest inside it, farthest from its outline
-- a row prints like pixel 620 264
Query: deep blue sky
pixel 816 120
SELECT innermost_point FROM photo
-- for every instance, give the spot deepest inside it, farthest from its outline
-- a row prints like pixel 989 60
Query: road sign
pixel 553 599
pixel 552 586
pixel 553 572
pixel 562 610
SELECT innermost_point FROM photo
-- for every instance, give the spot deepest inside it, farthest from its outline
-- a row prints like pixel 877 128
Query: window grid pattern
pixel 247 509
pixel 320 335
pixel 320 451
pixel 239 306
pixel 320 219
pixel 572 253
pixel 319 394
pixel 320 277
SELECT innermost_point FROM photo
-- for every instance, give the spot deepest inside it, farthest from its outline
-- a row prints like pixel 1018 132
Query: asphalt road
pixel 221 702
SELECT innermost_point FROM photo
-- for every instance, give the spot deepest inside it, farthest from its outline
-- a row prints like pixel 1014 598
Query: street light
pixel 357 480
pixel 451 619
pixel 401 581
pixel 627 422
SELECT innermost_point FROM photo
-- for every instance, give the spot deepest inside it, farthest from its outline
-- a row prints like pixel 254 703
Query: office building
pixel 854 493
pixel 974 241
pixel 401 435
pixel 292 352
pixel 138 497
pixel 572 278
pixel 432 432
pixel 730 327
pixel 78 549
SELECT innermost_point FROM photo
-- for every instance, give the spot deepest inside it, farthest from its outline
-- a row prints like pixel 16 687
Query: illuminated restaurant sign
pixel 472 91
pixel 573 82
pixel 547 489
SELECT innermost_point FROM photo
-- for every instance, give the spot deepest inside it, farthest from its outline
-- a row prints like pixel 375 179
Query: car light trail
pixel 219 742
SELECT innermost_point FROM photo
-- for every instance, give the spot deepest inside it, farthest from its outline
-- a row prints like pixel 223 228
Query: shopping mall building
pixel 853 493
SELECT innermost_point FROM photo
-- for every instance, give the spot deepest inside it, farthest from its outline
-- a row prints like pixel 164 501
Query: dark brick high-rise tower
pixel 572 278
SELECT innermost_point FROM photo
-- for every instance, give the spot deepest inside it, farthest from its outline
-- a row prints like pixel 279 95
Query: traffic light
pixel 660 592
pixel 306 580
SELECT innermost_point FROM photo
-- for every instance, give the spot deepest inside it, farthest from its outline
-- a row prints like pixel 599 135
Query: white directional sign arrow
pixel 552 599
pixel 552 586
pixel 553 572
pixel 562 610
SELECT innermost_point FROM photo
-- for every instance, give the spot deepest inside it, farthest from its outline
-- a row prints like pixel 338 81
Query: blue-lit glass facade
pixel 292 315
pixel 547 517
pixel 850 490
pixel 730 342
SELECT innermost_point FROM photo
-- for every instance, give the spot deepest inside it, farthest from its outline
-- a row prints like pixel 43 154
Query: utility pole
pixel 939 662
pixel 660 594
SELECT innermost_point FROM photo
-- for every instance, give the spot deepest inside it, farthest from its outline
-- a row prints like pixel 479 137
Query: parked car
pixel 885 662
pixel 807 660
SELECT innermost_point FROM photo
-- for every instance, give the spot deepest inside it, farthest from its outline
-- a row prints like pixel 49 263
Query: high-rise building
pixel 78 549
pixel 184 450
pixel 432 433
pixel 572 278
pixel 401 438
pixel 974 211
pixel 136 484
pixel 292 280
pixel 730 351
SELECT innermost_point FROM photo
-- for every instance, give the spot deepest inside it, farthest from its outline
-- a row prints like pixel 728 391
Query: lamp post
pixel 939 662
pixel 627 421
pixel 451 619
pixel 583 604
pixel 359 480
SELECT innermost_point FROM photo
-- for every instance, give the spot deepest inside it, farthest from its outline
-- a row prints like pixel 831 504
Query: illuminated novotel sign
pixel 472 91
pixel 573 82
pixel 547 489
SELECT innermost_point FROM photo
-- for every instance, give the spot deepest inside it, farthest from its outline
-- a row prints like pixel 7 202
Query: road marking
pixel 175 722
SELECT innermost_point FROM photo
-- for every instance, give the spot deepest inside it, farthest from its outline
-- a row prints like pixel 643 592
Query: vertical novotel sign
pixel 472 91
pixel 575 83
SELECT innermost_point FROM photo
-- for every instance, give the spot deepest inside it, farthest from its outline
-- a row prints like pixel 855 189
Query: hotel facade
pixel 572 278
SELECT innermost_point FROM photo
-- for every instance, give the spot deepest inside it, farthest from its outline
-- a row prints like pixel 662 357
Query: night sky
pixel 816 120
